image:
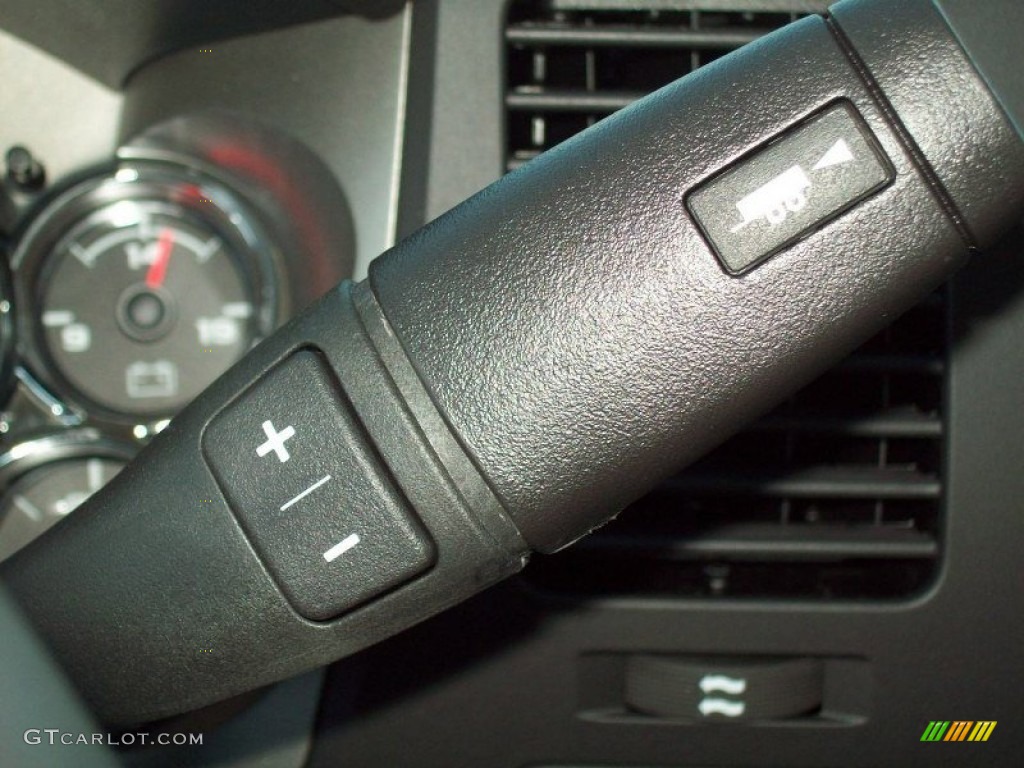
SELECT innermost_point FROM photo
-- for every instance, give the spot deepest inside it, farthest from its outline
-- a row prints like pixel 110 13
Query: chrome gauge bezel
pixel 34 452
pixel 157 183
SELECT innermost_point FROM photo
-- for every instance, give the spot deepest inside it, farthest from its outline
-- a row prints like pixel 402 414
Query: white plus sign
pixel 275 441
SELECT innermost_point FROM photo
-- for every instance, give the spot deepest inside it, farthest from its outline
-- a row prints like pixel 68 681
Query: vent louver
pixel 835 495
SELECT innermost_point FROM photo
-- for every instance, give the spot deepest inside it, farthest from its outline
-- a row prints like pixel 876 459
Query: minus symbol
pixel 341 547
pixel 55 318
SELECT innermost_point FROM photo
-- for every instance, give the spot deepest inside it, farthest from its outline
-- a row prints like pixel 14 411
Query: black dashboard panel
pixel 135 33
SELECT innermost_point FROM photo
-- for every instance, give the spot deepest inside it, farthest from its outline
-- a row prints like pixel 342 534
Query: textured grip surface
pixel 586 343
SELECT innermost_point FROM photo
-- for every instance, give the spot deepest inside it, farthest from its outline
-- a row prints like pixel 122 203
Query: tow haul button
pixel 781 193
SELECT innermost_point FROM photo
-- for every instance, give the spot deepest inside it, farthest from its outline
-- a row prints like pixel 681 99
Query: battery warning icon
pixel 769 200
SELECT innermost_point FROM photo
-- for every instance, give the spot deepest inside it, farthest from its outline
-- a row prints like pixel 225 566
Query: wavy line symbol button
pixel 723 683
pixel 715 706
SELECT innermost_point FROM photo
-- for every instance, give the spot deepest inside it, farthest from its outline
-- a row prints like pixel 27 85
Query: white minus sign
pixel 94 473
pixel 55 318
pixel 341 547
pixel 239 310
pixel 306 492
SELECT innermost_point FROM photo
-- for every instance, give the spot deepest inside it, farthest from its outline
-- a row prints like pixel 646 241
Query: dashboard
pixel 175 195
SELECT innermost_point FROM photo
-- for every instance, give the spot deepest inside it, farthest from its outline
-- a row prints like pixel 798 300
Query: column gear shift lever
pixel 514 374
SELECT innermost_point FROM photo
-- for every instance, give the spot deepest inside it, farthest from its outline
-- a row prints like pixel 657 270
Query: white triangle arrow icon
pixel 839 153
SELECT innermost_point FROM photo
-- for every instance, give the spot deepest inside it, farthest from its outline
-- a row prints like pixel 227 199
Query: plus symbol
pixel 275 441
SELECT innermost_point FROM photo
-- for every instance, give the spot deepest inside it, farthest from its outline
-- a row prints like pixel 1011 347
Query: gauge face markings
pixel 47 494
pixel 143 307
pixel 30 510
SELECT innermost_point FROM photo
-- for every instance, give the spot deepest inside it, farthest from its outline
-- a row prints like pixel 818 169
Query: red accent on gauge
pixel 158 269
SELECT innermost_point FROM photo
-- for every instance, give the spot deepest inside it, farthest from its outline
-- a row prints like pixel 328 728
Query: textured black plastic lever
pixel 514 374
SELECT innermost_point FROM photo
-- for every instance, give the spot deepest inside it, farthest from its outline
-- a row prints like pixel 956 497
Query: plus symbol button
pixel 275 441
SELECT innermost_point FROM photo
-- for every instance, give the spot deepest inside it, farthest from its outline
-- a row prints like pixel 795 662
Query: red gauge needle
pixel 158 269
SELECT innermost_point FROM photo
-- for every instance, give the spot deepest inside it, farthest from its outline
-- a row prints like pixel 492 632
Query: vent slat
pixel 813 483
pixel 531 99
pixel 906 426
pixel 923 364
pixel 632 37
pixel 806 543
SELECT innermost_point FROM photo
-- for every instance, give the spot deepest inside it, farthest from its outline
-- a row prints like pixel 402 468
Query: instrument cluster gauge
pixel 44 479
pixel 138 289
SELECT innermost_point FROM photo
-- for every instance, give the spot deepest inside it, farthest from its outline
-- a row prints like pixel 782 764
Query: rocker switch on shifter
pixel 317 504
pixel 790 188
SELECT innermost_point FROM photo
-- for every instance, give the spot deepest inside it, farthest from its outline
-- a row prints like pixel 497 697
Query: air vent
pixel 837 494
